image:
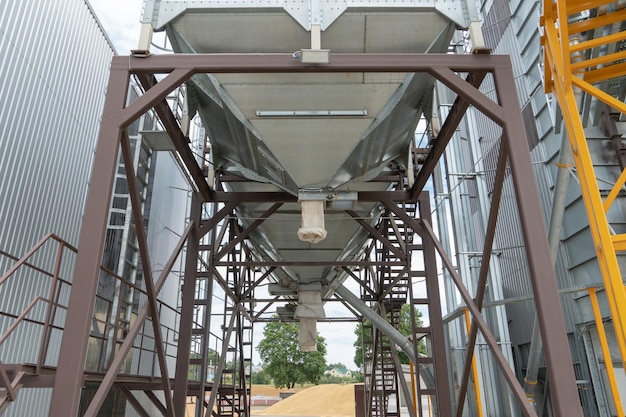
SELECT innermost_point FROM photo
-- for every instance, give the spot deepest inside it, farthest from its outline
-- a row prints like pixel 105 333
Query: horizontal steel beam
pixel 286 63
pixel 284 197
pixel 308 263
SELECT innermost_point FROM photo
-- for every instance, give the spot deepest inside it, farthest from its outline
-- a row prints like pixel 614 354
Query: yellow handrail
pixel 564 83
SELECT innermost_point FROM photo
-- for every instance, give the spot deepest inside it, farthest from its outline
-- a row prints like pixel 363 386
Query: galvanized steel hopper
pixel 319 136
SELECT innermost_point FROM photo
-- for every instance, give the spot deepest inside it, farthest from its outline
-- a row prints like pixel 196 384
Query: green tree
pixel 337 365
pixel 285 363
pixel 404 327
pixel 259 378
pixel 194 370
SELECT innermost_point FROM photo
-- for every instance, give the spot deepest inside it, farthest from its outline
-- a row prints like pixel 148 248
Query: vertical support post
pixel 222 362
pixel 45 334
pixel 440 364
pixel 186 315
pixel 481 286
pixel 549 313
pixel 142 242
pixel 608 362
pixel 413 388
pixel 479 403
pixel 68 381
pixel 401 380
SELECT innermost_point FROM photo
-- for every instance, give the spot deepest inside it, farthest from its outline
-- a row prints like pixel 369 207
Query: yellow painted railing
pixel 570 68
pixel 606 353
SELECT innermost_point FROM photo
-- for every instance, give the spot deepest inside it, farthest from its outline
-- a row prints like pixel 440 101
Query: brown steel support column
pixel 68 382
pixel 222 361
pixel 154 91
pixel 490 339
pixel 440 362
pixel 490 234
pixel 186 314
pixel 45 334
pixel 142 243
pixel 425 230
pixel 563 389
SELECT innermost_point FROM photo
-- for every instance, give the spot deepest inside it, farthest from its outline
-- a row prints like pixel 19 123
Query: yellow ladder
pixel 572 64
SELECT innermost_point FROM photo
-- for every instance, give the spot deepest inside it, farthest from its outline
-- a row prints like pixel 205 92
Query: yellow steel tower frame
pixel 570 66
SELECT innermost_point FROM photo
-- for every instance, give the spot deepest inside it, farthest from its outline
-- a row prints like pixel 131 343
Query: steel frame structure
pixel 461 73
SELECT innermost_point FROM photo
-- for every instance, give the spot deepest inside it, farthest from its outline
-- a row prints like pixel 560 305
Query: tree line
pixel 286 365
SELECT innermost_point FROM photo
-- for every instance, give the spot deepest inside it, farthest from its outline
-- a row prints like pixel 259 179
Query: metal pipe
pixel 554 235
pixel 379 322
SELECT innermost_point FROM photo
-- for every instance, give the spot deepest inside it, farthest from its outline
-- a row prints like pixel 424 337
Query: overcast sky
pixel 121 21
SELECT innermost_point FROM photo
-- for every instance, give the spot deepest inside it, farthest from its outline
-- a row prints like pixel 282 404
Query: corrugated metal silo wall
pixel 512 28
pixel 168 214
pixel 54 62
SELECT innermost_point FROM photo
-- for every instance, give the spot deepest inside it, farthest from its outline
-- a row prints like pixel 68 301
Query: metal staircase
pixel 378 385
pixel 198 362
pixel 381 367
pixel 11 374
pixel 235 382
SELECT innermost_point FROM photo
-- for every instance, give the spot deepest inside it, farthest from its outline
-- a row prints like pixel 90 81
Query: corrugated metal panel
pixel 508 46
pixel 496 22
pixel 29 400
pixel 54 62
pixel 53 56
pixel 517 37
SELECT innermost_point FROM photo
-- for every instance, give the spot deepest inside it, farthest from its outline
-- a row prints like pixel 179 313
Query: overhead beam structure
pixel 385 268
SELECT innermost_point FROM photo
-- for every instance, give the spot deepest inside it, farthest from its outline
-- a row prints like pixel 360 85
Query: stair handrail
pixel 32 251
pixel 21 318
pixel 49 300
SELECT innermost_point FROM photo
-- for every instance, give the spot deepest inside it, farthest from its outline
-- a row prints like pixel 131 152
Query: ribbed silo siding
pixel 508 31
pixel 508 45
pixel 168 185
pixel 54 75
pixel 29 400
pixel 168 219
pixel 54 62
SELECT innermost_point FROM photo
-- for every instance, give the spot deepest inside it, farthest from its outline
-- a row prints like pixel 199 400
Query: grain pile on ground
pixel 271 390
pixel 330 400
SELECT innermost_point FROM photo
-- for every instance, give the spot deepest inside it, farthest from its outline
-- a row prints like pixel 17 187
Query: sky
pixel 121 22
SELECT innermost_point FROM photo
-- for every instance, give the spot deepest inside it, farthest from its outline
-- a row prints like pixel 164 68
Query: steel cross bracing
pixel 584 53
pixel 463 74
pixel 388 289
